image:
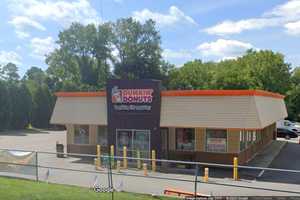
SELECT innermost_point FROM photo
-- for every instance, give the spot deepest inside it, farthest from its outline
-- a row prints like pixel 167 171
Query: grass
pixel 18 189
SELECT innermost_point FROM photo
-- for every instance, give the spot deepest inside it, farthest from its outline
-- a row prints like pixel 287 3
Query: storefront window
pixel 242 140
pixel 102 136
pixel 249 138
pixel 254 136
pixel 81 135
pixel 185 139
pixel 216 140
pixel 124 138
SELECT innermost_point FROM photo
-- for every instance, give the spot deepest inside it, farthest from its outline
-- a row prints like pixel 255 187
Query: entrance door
pixel 134 140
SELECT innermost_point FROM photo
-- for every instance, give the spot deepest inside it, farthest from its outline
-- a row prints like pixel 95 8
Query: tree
pixel 266 70
pixel 4 105
pixel 10 72
pixel 193 75
pixel 138 49
pixel 293 103
pixel 35 74
pixel 295 77
pixel 42 107
pixel 82 57
pixel 230 74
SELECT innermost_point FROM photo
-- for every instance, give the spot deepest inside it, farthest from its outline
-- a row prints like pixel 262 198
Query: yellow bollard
pixel 118 166
pixel 98 160
pixel 145 169
pixel 205 177
pixel 153 161
pixel 139 163
pixel 112 154
pixel 235 168
pixel 125 163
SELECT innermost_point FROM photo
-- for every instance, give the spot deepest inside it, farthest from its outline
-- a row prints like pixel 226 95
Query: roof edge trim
pixel 184 93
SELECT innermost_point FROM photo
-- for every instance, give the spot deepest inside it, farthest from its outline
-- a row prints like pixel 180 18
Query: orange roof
pixel 184 93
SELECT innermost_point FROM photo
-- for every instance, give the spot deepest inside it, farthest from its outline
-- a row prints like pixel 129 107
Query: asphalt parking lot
pixel 288 158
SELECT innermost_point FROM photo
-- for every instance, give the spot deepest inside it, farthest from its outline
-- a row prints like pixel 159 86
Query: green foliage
pixel 264 70
pixel 42 107
pixel 9 72
pixel 138 47
pixel 4 105
pixel 193 75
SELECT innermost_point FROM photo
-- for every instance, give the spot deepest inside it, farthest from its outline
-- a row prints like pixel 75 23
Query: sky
pixel 211 30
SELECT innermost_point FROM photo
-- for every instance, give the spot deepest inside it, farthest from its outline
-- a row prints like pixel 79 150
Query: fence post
pixel 196 180
pixel 235 168
pixel 153 161
pixel 125 163
pixel 139 163
pixel 36 166
pixel 112 154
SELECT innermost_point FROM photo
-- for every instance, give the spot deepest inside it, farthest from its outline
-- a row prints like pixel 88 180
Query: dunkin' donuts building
pixel 195 125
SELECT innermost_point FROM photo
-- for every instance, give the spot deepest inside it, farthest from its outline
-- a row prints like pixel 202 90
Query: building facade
pixel 194 125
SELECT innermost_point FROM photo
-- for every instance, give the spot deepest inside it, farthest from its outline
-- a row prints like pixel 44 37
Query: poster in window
pixel 216 144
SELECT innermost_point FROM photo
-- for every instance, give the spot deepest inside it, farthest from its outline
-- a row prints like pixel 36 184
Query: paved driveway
pixel 32 140
pixel 288 158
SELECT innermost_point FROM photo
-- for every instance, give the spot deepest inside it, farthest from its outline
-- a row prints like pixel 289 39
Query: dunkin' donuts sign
pixel 133 95
pixel 129 96
pixel 131 99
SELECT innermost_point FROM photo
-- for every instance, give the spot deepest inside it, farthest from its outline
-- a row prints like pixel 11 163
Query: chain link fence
pixel 142 175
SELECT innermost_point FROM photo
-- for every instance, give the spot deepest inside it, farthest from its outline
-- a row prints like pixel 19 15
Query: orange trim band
pixel 184 93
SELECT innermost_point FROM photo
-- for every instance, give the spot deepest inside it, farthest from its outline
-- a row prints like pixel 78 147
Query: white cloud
pixel 174 16
pixel 181 54
pixel 31 13
pixel 231 27
pixel 289 10
pixel 278 16
pixel 293 28
pixel 21 23
pixel 22 34
pixel 224 49
pixel 42 46
pixel 10 56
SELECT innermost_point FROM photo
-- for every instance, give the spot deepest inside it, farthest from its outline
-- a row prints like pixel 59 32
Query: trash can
pixel 60 149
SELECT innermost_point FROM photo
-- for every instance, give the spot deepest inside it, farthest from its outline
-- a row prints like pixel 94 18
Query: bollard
pixel 98 160
pixel 145 169
pixel 139 163
pixel 235 168
pixel 153 161
pixel 205 177
pixel 118 166
pixel 112 154
pixel 125 163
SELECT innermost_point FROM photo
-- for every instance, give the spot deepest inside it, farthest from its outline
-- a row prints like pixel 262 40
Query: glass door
pixel 134 140
pixel 141 142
